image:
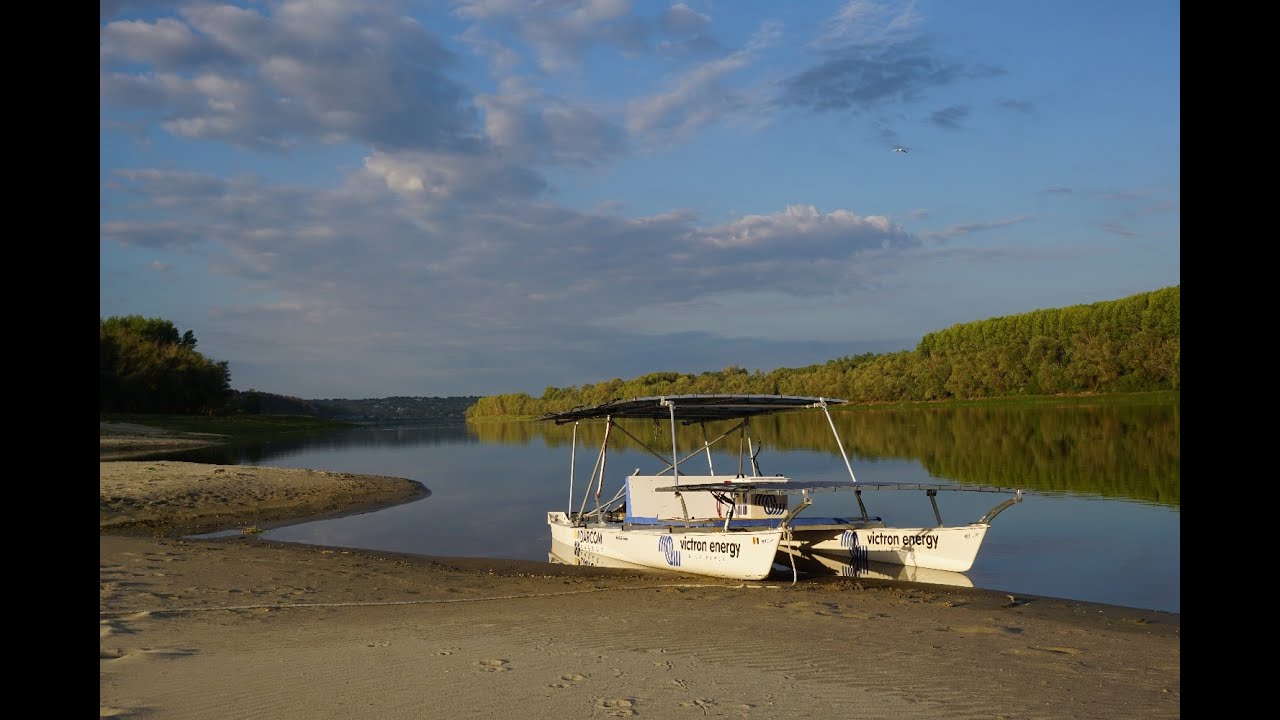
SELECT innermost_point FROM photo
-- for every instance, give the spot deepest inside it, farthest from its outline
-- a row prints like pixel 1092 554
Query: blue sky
pixel 368 199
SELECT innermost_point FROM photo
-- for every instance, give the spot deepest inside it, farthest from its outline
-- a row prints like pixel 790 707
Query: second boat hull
pixel 953 549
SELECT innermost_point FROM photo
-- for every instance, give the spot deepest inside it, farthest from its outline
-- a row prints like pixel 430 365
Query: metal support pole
pixel 573 454
pixel 933 498
pixel 675 458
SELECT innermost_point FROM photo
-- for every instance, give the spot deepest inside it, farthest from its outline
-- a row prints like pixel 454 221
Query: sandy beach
pixel 244 627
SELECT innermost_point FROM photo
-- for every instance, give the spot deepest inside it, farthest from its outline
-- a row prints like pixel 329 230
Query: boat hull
pixel 953 549
pixel 567 554
pixel 819 564
pixel 735 554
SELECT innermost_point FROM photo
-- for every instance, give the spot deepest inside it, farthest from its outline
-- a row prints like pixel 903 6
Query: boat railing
pixel 931 490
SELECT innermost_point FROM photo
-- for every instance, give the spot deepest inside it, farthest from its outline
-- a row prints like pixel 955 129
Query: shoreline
pixel 166 498
pixel 197 628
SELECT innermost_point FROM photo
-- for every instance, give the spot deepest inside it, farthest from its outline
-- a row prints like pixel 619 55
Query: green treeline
pixel 145 366
pixel 398 409
pixel 1127 345
pixel 148 368
pixel 1120 446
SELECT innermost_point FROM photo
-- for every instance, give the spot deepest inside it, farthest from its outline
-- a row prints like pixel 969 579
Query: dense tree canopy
pixel 1127 345
pixel 146 366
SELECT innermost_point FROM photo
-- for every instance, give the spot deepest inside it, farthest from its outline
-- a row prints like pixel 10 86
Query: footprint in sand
pixel 495 665
pixel 619 707
pixel 983 629
pixel 1055 649
pixel 703 705
pixel 144 654
pixel 569 680
pixel 107 628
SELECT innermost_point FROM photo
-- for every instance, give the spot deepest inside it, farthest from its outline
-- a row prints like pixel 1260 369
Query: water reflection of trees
pixel 379 436
pixel 1110 449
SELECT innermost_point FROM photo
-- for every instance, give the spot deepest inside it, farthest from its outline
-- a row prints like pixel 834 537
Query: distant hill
pixel 399 410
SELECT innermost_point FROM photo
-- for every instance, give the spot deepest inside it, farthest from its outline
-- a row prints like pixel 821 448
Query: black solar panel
pixel 692 408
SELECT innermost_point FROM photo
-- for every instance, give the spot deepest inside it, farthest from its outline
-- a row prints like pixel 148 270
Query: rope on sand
pixel 391 603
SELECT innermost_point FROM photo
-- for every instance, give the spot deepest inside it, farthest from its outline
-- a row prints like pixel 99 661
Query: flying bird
pixel 900 149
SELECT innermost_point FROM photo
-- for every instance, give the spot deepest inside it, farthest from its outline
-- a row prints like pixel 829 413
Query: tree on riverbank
pixel 146 366
pixel 1128 345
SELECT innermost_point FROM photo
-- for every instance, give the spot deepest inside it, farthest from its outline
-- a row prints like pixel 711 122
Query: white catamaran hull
pixel 937 548
pixel 819 564
pixel 566 554
pixel 737 555
pixel 741 525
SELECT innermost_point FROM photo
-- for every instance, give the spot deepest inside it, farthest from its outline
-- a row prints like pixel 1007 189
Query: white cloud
pixel 699 96
pixel 308 72
pixel 868 22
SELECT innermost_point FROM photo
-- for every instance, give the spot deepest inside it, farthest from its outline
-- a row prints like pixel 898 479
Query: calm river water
pixel 1100 523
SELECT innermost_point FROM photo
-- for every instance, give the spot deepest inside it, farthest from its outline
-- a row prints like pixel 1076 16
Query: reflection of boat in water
pixel 739 526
